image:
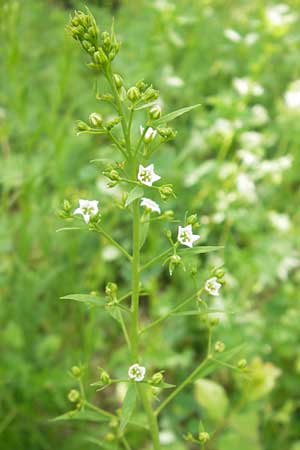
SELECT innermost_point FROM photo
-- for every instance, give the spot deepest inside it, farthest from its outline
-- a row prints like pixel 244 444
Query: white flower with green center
pixel 87 208
pixel 136 372
pixel 147 176
pixel 186 236
pixel 212 286
pixel 150 205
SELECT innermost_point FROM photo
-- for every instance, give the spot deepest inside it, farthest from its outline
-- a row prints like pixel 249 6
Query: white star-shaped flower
pixel 150 205
pixel 87 208
pixel 212 286
pixel 186 236
pixel 147 176
pixel 136 372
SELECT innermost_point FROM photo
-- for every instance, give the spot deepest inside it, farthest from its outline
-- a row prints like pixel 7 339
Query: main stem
pixel 143 389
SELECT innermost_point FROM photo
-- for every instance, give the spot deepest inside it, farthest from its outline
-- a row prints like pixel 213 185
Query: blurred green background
pixel 235 162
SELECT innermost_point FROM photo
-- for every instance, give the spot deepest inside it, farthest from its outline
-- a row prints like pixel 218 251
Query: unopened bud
pixel 73 395
pixel 219 273
pixel 104 377
pixel 157 378
pixel 111 288
pixel 192 219
pixel 167 133
pixel 95 119
pixel 133 94
pixel 76 371
pixel 169 214
pixel 109 437
pixel 219 346
pixel 242 364
pixel 100 57
pixel 175 259
pixel 150 94
pixel 114 175
pixel 203 437
pixel 82 126
pixel 155 112
pixel 166 191
pixel 214 321
pixel 149 135
pixel 67 206
pixel 118 80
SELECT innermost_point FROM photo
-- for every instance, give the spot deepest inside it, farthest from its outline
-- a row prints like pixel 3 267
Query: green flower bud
pixel 166 191
pixel 104 377
pixel 175 259
pixel 192 219
pixel 167 133
pixel 82 126
pixel 242 364
pixel 118 80
pixel 214 321
pixel 150 95
pixel 112 184
pixel 219 346
pixel 114 175
pixel 100 57
pixel 67 206
pixel 96 119
pixel 73 395
pixel 157 378
pixel 112 123
pixel 155 112
pixel 111 289
pixel 219 273
pixel 76 371
pixel 133 94
pixel 109 437
pixel 203 437
pixel 168 215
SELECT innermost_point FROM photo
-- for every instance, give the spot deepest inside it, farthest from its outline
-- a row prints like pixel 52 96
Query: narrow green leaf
pixel 128 406
pixel 136 192
pixel 195 312
pixel 173 115
pixel 68 229
pixel 200 249
pixel 144 230
pixel 89 416
pixel 86 298
pixel 146 105
pixel 102 444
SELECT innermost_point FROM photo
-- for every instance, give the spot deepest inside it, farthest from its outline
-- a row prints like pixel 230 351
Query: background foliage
pixel 235 162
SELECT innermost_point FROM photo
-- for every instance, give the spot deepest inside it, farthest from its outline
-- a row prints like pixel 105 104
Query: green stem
pixel 99 410
pixel 187 381
pixel 113 242
pixel 171 312
pixel 156 258
pixel 144 394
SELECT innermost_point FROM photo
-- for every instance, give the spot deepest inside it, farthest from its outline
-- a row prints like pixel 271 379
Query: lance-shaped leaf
pixel 136 192
pixel 173 115
pixel 199 249
pixel 89 416
pixel 68 229
pixel 86 298
pixel 128 406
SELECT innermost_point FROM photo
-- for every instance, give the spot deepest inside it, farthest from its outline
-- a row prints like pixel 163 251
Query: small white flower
pixel 87 208
pixel 150 205
pixel 246 187
pixel 292 95
pixel 149 135
pixel 279 15
pixel 147 176
pixel 186 236
pixel 212 286
pixel 136 372
pixel 232 35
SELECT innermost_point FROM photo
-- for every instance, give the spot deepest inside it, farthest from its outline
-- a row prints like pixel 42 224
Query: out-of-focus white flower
pixel 260 115
pixel 251 139
pixel 279 15
pixel 292 95
pixel 251 38
pixel 246 187
pixel 147 176
pixel 150 205
pixel 110 253
pixel 186 236
pixel 280 221
pixel 87 209
pixel 244 87
pixel 232 35
pixel 212 286
pixel 136 372
pixel 287 264
pixel 174 81
pixel 166 437
pixel 227 169
pixel 247 157
pixel 222 126
pixel 276 166
pixel 149 135
pixel 163 6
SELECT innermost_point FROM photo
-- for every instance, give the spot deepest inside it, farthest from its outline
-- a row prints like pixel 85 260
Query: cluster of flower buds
pixel 203 438
pixel 66 211
pixel 111 290
pixel 104 377
pixel 166 191
pixel 84 29
pixel 174 261
pixel 219 347
pixel 167 133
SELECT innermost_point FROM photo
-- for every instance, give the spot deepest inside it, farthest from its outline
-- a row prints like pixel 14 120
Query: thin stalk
pixel 135 281
pixel 171 312
pixel 99 410
pixel 156 258
pixel 187 381
pixel 115 243
pixel 144 394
